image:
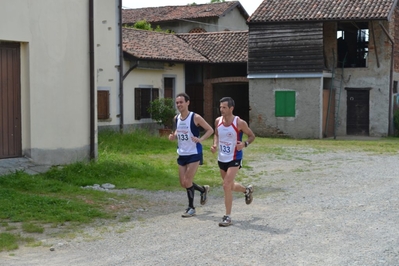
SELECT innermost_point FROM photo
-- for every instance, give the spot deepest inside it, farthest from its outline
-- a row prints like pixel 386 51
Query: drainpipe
pixel 121 122
pixel 390 125
pixel 92 81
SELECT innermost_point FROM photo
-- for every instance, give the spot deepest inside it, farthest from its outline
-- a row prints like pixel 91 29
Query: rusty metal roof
pixel 220 47
pixel 316 10
pixel 169 13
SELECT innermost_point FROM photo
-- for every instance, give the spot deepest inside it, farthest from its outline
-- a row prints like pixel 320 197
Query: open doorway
pixel 352 44
pixel 239 93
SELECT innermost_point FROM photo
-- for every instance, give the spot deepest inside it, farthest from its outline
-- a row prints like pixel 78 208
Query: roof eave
pixel 131 56
pixel 318 20
pixel 395 2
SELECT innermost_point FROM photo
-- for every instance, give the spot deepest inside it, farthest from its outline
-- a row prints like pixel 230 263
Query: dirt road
pixel 333 208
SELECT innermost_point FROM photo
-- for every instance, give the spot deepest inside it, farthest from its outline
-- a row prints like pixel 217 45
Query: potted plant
pixel 162 110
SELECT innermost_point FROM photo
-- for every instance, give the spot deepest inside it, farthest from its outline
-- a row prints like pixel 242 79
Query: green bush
pixel 163 110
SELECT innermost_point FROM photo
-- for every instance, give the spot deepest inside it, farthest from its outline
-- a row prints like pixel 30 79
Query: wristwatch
pixel 246 144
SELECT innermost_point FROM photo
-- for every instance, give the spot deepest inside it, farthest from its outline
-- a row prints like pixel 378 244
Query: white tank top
pixel 228 137
pixel 186 129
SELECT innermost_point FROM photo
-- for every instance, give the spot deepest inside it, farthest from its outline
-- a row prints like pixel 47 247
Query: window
pixel 352 44
pixel 143 97
pixel 169 84
pixel 285 103
pixel 102 104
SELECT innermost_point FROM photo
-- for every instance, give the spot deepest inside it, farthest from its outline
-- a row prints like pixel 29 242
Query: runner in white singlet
pixel 229 130
pixel 189 149
pixel 186 130
pixel 228 138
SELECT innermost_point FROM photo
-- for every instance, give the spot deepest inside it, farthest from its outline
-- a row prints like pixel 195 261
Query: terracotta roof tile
pixel 169 13
pixel 152 45
pixel 307 10
pixel 220 47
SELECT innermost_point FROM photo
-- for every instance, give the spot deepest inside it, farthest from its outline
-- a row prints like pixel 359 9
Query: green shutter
pixel 290 103
pixel 285 103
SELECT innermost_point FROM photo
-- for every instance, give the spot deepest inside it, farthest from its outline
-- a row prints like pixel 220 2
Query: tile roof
pixel 310 10
pixel 220 47
pixel 169 13
pixel 150 45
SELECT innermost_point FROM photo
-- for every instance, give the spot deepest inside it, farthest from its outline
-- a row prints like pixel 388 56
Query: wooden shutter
pixel 155 94
pixel 285 103
pixel 10 100
pixel 102 104
pixel 142 99
pixel 137 103
pixel 145 103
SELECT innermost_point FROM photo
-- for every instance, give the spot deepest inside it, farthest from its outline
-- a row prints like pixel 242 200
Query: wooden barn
pixel 323 68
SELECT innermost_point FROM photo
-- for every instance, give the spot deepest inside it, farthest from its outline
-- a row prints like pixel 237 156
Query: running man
pixel 189 149
pixel 228 139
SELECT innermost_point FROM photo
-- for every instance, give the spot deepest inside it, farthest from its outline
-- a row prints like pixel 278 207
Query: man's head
pixel 226 106
pixel 184 95
pixel 229 100
pixel 182 101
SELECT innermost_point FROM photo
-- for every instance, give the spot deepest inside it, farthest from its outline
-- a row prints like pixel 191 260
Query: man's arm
pixel 243 126
pixel 200 121
pixel 215 137
pixel 172 136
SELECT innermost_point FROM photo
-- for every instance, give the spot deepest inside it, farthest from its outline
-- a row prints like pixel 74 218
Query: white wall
pixel 144 78
pixel 54 73
pixel 107 52
pixel 234 21
pixel 307 122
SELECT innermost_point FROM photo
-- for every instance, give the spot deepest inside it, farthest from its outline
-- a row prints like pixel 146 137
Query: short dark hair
pixel 185 95
pixel 229 100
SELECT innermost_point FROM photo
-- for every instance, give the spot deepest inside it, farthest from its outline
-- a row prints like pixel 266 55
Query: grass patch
pixel 32 228
pixel 132 160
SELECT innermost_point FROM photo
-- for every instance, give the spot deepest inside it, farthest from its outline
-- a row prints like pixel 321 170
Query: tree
pixel 142 25
pixel 217 1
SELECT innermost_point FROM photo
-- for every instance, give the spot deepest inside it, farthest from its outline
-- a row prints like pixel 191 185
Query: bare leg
pixel 187 173
pixel 186 176
pixel 229 185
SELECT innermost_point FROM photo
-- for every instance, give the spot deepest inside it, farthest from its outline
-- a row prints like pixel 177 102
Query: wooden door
pixel 357 118
pixel 10 101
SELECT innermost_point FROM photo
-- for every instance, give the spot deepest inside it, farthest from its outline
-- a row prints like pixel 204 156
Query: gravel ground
pixel 332 208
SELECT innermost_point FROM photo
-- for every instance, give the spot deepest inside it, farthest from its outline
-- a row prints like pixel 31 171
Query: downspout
pixel 390 126
pixel 121 115
pixel 92 81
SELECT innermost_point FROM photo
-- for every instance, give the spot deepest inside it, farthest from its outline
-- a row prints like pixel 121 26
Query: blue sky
pixel 249 5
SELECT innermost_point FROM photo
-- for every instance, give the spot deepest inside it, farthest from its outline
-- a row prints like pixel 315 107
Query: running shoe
pixel 226 221
pixel 189 212
pixel 204 195
pixel 248 194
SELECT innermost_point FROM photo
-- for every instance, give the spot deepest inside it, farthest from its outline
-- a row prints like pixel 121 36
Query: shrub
pixel 162 110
